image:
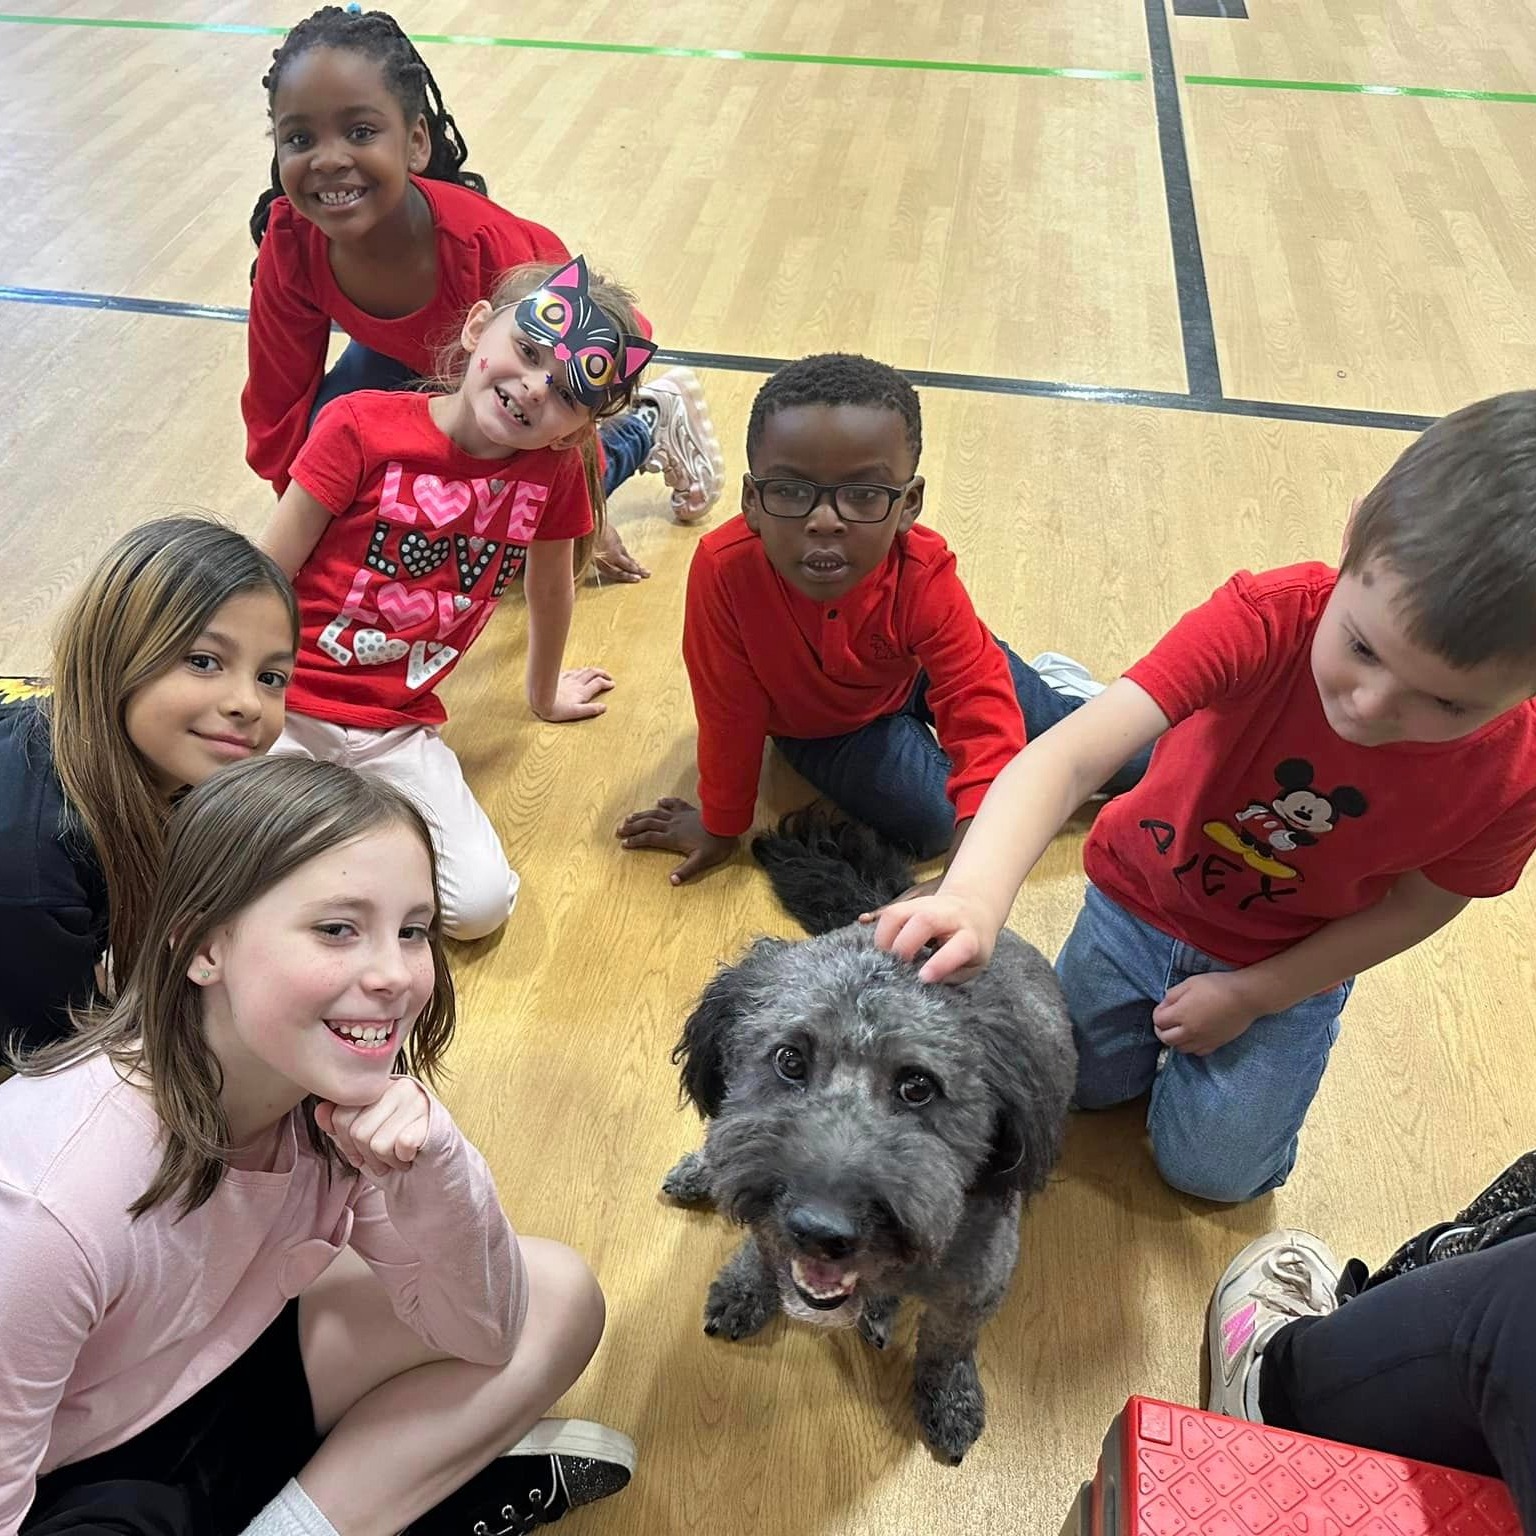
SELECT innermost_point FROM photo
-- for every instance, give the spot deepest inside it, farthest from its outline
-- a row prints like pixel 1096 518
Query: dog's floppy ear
pixel 1032 1083
pixel 701 1052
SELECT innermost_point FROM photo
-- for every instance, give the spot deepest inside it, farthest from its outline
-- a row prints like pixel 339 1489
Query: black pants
pixel 207 1468
pixel 1438 1364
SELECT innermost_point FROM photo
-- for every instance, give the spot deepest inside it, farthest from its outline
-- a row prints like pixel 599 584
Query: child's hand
pixel 612 561
pixel 676 826
pixel 1203 1013
pixel 382 1137
pixel 576 695
pixel 964 933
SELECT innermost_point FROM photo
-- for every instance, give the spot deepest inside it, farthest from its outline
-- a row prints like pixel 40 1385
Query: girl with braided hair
pixel 373 223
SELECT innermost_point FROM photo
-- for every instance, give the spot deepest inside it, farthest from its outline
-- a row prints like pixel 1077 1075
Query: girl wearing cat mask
pixel 407 515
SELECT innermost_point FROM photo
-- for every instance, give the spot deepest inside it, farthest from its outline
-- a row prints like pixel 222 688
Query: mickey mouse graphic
pixel 1298 818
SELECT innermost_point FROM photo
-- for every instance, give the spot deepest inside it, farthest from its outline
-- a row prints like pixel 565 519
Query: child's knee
pixel 477 899
pixel 570 1303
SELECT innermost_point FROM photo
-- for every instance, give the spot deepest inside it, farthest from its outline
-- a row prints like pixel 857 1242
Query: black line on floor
pixel 924 378
pixel 1201 365
pixel 1227 10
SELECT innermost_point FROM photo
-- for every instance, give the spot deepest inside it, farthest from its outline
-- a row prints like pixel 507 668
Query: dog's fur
pixel 835 1174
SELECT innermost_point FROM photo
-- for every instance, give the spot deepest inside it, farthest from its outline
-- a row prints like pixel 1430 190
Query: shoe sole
pixel 1210 1352
pixel 577 1437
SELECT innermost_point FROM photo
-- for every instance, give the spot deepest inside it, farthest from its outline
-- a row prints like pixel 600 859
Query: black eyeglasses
pixel 853 503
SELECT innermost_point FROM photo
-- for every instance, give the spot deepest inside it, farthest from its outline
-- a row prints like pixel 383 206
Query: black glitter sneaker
pixel 1506 1209
pixel 558 1466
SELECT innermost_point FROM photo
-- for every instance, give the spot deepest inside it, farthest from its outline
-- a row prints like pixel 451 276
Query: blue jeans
pixel 1224 1126
pixel 626 439
pixel 891 774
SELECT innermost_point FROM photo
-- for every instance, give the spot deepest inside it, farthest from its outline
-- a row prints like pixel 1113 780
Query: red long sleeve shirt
pixel 296 297
pixel 765 660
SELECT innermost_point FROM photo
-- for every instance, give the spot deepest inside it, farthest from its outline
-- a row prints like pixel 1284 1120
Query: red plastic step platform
pixel 1171 1471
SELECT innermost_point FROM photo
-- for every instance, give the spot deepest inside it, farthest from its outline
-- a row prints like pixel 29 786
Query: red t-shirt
pixel 425 539
pixel 765 660
pixel 295 298
pixel 1256 824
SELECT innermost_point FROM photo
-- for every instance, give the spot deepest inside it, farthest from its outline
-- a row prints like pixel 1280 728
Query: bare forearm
pixel 1024 809
pixel 1411 911
pixel 551 597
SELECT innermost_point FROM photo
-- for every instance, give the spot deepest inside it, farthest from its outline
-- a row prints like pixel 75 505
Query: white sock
pixel 291 1513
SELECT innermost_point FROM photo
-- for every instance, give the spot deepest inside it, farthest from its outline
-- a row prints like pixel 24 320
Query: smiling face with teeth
pixel 344 148
pixel 313 987
pixel 514 397
pixel 822 555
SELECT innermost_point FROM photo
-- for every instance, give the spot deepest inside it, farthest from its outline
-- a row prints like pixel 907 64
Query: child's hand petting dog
pixel 385 1136
pixel 1203 1013
pixel 677 826
pixel 961 930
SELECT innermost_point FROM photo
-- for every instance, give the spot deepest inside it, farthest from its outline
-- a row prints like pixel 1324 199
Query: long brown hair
pixel 230 841
pixel 137 615
pixel 618 303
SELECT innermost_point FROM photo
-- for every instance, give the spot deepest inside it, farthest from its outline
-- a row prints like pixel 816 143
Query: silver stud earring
pixel 204 975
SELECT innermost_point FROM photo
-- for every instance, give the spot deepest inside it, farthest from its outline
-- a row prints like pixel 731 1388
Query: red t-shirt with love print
pixel 424 541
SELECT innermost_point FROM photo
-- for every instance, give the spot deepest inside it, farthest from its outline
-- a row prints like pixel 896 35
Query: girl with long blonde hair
pixel 408 516
pixel 253 1279
pixel 171 660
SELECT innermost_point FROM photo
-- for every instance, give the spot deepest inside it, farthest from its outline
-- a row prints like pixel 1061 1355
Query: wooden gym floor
pixel 994 192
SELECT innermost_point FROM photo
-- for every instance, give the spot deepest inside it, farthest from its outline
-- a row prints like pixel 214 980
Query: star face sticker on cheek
pixel 485 363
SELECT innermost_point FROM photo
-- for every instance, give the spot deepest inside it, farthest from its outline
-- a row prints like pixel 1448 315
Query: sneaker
pixel 1066 676
pixel 685 449
pixel 558 1466
pixel 1506 1209
pixel 1273 1281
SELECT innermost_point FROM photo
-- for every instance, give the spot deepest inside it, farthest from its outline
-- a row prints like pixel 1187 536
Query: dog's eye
pixel 789 1064
pixel 916 1088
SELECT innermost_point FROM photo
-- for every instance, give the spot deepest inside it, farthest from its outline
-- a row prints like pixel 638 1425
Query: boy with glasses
pixel 826 618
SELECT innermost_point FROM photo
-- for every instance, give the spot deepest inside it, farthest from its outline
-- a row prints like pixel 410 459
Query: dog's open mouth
pixel 821 1285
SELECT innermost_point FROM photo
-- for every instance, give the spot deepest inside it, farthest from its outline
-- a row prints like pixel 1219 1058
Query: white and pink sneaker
pixel 686 452
pixel 1273 1281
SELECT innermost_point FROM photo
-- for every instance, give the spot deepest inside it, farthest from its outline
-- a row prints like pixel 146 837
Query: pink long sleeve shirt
pixel 107 1323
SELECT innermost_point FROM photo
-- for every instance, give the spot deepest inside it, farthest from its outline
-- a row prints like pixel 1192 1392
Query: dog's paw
pixel 688 1182
pixel 878 1318
pixel 735 1310
pixel 951 1407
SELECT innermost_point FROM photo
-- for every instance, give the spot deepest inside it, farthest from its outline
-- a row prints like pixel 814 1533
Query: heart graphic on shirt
pixel 460 602
pixel 442 503
pixel 422 555
pixel 476 544
pixel 373 649
pixel 402 607
pixel 497 487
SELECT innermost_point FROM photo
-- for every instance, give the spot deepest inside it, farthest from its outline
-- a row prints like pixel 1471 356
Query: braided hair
pixel 375 35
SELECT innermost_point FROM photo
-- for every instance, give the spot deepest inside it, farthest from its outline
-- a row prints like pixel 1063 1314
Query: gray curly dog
pixel 877 1135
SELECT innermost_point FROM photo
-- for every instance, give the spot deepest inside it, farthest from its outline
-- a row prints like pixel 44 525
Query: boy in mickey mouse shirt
pixel 1346 759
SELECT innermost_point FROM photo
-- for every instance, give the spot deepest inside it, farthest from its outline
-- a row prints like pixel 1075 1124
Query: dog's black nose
pixel 822 1231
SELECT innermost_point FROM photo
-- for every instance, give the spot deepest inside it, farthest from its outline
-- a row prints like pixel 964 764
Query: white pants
pixel 477 887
